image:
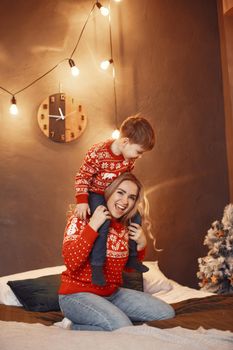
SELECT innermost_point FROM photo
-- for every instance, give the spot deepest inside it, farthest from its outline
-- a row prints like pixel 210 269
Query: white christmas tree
pixel 216 269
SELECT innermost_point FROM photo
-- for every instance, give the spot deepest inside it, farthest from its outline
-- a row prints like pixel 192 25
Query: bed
pixel 30 316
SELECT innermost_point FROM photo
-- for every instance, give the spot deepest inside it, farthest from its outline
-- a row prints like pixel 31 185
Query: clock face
pixel 61 118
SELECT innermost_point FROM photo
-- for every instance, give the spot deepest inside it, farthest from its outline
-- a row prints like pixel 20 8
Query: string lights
pixel 104 10
pixel 13 108
pixel 74 69
pixel 105 64
pixel 116 134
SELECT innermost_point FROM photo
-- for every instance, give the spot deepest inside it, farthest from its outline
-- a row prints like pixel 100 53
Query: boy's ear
pixel 125 140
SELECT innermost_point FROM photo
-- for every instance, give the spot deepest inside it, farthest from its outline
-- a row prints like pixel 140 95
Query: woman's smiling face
pixel 123 199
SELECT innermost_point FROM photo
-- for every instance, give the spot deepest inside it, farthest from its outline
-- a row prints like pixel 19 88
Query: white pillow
pixel 154 280
pixel 7 297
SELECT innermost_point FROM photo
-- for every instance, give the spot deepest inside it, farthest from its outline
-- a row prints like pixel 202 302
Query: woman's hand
pixel 137 234
pixel 100 215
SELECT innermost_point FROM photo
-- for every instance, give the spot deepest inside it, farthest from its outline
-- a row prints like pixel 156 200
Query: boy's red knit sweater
pixel 78 241
pixel 99 169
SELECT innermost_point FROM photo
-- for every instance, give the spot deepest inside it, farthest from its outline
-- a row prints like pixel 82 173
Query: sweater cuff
pixel 89 234
pixel 82 198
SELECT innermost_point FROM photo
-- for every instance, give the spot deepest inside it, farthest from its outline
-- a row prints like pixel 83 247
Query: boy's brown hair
pixel 138 130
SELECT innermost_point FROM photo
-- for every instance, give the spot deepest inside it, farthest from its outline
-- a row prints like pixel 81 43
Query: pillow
pixel 38 294
pixel 154 280
pixel 7 297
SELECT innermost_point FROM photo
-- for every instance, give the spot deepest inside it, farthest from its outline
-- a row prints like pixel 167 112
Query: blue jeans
pixel 98 253
pixel 89 311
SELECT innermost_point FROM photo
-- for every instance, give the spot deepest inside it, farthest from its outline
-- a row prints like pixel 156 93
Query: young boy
pixel 102 164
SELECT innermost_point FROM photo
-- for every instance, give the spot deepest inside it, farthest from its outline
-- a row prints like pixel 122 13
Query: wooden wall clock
pixel 60 118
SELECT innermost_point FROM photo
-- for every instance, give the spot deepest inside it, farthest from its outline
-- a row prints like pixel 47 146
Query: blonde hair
pixel 138 130
pixel 141 204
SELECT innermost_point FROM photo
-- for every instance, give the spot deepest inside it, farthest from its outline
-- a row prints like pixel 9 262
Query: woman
pixel 105 308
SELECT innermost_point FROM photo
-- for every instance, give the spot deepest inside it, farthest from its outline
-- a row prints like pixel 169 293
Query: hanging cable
pixel 116 132
pixel 2 88
pixel 42 76
pixel 55 66
pixel 81 33
pixel 74 68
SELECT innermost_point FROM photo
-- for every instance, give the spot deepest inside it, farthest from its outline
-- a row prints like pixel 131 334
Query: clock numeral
pixel 45 126
pixel 52 133
pixel 79 127
pixel 42 116
pixel 80 108
pixel 63 137
pixel 52 99
pixel 45 106
pixel 72 135
pixel 82 117
pixel 62 97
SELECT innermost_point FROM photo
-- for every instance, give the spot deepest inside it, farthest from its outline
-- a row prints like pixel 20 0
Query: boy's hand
pixel 100 215
pixel 82 210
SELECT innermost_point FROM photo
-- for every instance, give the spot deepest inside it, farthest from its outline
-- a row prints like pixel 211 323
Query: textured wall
pixel 168 67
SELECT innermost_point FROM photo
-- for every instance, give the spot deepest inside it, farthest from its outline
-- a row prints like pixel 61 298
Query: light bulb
pixel 13 108
pixel 115 134
pixel 105 64
pixel 118 0
pixel 74 69
pixel 104 10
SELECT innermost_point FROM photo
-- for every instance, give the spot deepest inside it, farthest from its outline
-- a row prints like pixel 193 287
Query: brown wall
pixel 168 67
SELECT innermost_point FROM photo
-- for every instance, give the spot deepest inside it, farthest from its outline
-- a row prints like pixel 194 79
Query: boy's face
pixel 132 150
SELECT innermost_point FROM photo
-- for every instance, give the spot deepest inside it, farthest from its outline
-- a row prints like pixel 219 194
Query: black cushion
pixel 40 294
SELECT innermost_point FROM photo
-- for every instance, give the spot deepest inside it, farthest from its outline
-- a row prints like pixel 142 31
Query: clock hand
pixel 58 117
pixel 62 115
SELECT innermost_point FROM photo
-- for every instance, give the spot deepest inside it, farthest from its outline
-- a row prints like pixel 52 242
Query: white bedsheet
pixel 179 293
pixel 21 336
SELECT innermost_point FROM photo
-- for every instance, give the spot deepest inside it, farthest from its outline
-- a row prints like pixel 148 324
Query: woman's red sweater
pixel 78 241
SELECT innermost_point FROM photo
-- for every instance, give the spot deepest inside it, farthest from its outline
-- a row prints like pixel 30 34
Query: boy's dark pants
pixel 98 253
